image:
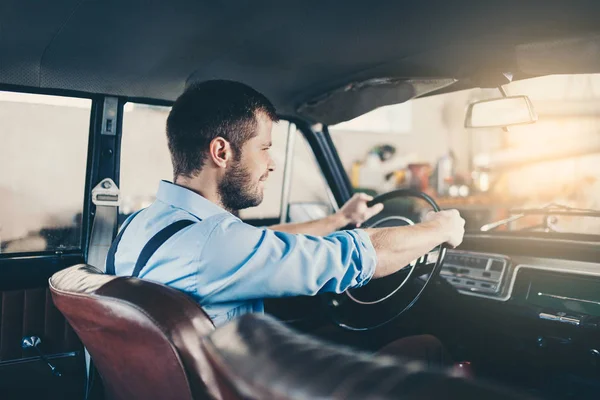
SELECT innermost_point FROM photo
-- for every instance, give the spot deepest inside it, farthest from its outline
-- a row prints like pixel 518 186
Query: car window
pixel 271 204
pixel 310 196
pixel 145 158
pixel 43 157
pixel 488 173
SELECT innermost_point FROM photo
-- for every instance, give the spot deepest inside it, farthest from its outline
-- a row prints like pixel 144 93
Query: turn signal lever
pixel 29 342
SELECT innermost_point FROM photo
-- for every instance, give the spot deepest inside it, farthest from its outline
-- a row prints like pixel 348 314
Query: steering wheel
pixel 383 300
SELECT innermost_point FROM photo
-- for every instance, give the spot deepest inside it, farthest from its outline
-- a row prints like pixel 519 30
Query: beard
pixel 237 191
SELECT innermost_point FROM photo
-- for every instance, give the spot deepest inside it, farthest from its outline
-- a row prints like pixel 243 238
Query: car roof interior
pixel 293 51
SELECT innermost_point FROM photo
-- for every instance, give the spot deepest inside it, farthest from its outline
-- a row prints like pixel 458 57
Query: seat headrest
pixel 80 278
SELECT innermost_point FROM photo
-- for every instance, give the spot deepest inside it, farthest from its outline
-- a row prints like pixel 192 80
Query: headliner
pixel 293 51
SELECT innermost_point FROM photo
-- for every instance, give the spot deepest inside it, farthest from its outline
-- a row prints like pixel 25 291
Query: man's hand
pixel 398 246
pixel 450 223
pixel 356 211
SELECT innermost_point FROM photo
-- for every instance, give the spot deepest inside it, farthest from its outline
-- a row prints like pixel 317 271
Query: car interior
pixel 490 108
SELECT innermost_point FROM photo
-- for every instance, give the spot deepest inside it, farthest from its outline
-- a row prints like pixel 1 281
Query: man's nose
pixel 271 165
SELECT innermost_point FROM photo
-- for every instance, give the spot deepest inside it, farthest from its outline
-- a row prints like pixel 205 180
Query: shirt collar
pixel 180 197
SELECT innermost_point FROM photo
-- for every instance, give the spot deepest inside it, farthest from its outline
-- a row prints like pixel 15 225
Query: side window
pixel 145 158
pixel 271 204
pixel 43 157
pixel 310 196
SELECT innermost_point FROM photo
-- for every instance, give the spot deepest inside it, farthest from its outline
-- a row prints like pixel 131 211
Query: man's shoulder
pixel 220 227
pixel 229 224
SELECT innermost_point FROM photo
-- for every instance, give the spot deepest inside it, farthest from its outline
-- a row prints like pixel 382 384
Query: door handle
pixel 29 342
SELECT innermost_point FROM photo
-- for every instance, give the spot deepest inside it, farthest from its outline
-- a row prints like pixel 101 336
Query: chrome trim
pixel 572 321
pixel 38 358
pixel 399 217
pixel 568 298
pixel 549 317
pixel 544 268
pixel 354 299
pixel 463 276
pixel 594 271
pixel 507 263
pixel 494 225
pixel 560 318
pixel 287 173
pixel 477 235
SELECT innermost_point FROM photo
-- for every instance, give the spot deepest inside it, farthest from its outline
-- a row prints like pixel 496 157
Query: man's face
pixel 242 185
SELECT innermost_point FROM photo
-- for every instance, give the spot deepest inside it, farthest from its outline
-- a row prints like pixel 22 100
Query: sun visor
pixel 566 56
pixel 358 98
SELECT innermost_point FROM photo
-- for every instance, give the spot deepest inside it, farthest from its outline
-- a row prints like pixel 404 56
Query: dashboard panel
pixel 562 291
pixel 539 319
pixel 477 274
pixel 561 297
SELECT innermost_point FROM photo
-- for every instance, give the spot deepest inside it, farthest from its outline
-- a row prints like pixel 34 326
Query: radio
pixel 475 272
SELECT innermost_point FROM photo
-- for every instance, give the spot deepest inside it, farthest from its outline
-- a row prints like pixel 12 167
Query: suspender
pixel 149 249
pixel 110 257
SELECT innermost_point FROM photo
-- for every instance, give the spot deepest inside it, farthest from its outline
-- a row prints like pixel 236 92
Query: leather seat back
pixel 144 338
pixel 257 357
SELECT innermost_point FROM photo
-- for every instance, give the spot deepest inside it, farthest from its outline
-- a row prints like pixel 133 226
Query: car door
pixel 43 180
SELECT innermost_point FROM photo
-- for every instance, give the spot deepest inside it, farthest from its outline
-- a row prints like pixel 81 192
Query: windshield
pixel 486 172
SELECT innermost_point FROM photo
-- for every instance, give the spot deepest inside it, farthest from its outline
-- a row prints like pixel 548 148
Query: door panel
pixel 47 144
pixel 26 309
pixel 31 312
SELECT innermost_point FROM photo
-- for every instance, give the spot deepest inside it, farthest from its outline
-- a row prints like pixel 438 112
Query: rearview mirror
pixel 501 112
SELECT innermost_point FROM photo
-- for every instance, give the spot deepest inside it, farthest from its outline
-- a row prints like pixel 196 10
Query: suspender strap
pixel 149 249
pixel 110 257
pixel 157 241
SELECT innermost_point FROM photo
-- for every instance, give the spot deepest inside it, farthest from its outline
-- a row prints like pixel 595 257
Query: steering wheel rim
pixel 334 303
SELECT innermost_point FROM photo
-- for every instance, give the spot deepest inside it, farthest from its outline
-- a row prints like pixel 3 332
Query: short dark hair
pixel 207 110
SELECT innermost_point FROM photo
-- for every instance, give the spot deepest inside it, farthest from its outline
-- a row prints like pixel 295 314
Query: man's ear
pixel 220 152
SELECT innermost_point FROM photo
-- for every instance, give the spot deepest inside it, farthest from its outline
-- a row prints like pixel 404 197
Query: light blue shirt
pixel 228 266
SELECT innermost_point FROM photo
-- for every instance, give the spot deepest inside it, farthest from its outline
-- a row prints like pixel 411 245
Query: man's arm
pixel 355 211
pixel 397 247
pixel 258 263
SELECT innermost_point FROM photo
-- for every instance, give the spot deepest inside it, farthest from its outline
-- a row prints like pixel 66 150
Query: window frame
pixel 327 158
pixel 286 190
pixel 96 104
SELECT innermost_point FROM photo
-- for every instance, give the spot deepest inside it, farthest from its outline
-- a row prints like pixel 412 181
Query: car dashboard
pixel 562 291
pixel 532 319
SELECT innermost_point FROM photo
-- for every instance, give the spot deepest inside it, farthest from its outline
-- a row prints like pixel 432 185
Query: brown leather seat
pixel 257 357
pixel 143 337
pixel 152 342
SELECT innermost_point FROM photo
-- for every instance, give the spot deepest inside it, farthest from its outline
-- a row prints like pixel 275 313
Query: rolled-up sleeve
pixel 242 262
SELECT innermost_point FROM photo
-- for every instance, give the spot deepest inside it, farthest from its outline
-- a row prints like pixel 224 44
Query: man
pixel 219 135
